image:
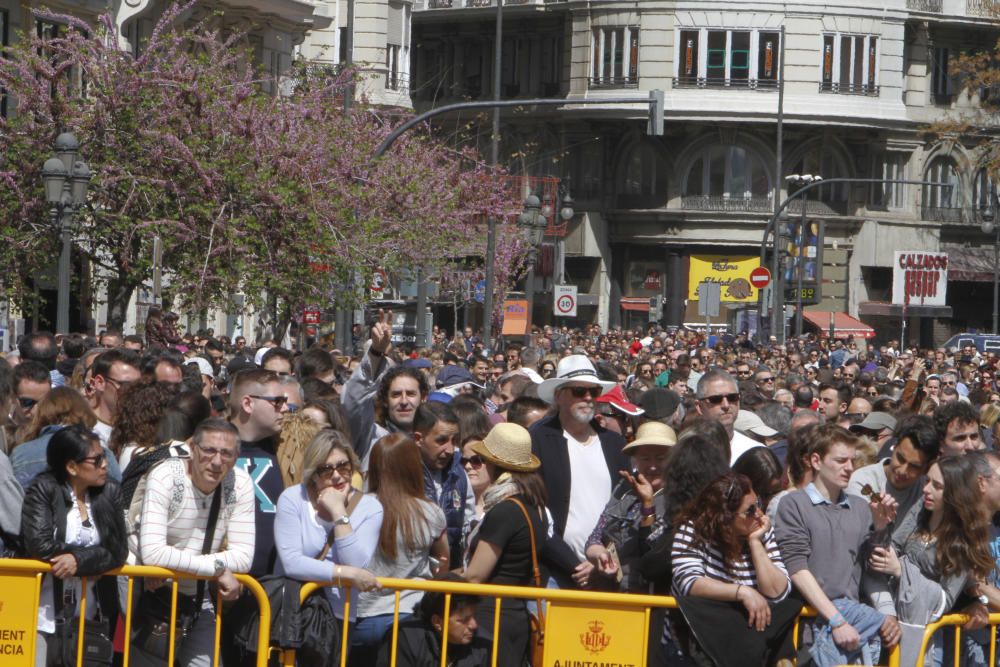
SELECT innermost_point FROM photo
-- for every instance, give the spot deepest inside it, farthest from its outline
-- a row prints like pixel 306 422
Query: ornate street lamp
pixel 989 226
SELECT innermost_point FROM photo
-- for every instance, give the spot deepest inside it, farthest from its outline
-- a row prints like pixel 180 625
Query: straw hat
pixel 574 368
pixel 657 434
pixel 508 446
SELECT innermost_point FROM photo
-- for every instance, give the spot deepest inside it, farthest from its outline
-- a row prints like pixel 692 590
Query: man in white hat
pixel 580 460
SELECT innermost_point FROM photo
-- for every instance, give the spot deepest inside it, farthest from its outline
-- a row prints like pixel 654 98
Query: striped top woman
pixel 730 582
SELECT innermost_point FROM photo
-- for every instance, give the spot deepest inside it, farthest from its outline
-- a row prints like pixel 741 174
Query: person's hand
pixel 582 572
pixel 919 365
pixel 229 587
pixel 599 555
pixel 382 331
pixel 884 560
pixel 366 581
pixel 846 637
pixel 979 616
pixel 334 501
pixel 643 489
pixel 758 610
pixel 890 632
pixel 883 511
pixel 151 584
pixel 761 525
pixel 63 566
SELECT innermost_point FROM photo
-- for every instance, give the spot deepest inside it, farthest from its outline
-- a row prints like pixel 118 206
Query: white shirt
pixel 103 432
pixel 80 536
pixel 739 444
pixel 589 491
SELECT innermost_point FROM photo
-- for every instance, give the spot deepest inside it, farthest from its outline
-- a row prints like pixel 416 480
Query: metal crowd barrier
pixel 9 566
pixel 957 621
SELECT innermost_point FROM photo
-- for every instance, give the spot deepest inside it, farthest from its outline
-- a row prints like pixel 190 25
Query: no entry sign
pixel 760 277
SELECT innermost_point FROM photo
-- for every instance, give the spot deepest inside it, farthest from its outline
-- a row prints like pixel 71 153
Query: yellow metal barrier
pixel 38 568
pixel 958 620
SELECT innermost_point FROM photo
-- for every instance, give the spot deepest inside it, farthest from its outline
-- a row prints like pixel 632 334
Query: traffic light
pixel 657 102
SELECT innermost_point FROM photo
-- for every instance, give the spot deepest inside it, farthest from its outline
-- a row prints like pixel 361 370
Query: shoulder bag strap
pixel 534 556
pixel 206 547
pixel 352 504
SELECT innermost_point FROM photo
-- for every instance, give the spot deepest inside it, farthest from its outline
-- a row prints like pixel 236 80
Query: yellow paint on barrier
pixel 731 272
pixel 589 635
pixel 18 618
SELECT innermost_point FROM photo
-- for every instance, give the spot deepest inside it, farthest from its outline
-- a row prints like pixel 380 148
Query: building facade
pixel 861 83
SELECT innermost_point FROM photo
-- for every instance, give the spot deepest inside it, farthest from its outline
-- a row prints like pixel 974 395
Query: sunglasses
pixel 718 398
pixel 98 460
pixel 580 392
pixel 744 374
pixel 26 403
pixel 769 379
pixel 325 471
pixel 751 512
pixel 276 401
pixel 476 461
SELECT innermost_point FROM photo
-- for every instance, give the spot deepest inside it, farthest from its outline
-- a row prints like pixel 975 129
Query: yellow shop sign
pixel 732 273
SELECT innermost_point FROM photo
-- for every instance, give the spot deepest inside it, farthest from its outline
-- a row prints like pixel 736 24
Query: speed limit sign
pixel 565 301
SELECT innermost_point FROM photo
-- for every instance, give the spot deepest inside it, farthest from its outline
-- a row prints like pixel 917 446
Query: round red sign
pixel 760 277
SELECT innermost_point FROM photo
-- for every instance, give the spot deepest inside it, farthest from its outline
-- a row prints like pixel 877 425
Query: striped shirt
pixel 175 517
pixel 693 562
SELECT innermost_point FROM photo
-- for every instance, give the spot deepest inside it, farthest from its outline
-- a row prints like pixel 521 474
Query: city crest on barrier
pixel 595 640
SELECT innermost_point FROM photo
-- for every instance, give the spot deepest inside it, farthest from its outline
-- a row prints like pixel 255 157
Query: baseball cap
pixel 749 422
pixel 452 374
pixel 204 367
pixel 875 421
pixel 616 399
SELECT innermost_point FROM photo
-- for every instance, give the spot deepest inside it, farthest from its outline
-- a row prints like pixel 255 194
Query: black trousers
pixel 721 631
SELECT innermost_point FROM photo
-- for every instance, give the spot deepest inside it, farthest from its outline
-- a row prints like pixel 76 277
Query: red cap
pixel 616 397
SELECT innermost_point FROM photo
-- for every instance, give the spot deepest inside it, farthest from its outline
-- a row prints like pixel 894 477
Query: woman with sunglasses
pixel 326 507
pixel 729 580
pixel 412 542
pixel 71 519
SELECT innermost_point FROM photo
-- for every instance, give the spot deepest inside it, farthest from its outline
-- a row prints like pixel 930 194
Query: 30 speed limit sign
pixel 565 301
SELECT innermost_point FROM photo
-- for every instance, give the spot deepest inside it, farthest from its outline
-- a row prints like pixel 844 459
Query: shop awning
pixel 637 303
pixel 843 324
pixel 969 264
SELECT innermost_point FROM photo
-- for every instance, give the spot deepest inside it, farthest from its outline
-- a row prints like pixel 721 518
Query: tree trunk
pixel 119 295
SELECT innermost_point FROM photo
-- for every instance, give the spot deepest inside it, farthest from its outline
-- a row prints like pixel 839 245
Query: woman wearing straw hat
pixel 500 549
pixel 635 514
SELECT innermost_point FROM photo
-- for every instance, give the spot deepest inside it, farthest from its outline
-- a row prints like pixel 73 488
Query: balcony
pixel 712 82
pixel 472 4
pixel 933 6
pixel 985 8
pixel 599 83
pixel 942 214
pixel 863 89
pixel 754 204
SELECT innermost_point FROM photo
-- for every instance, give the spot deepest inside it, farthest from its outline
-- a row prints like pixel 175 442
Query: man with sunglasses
pixel 763 379
pixel 110 373
pixel 580 459
pixel 31 384
pixel 719 400
pixel 257 406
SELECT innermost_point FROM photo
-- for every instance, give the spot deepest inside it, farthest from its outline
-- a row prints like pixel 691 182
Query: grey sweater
pixel 825 539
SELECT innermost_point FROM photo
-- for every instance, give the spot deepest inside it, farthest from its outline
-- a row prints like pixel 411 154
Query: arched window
pixel 821 160
pixel 942 203
pixel 985 190
pixel 727 178
pixel 643 183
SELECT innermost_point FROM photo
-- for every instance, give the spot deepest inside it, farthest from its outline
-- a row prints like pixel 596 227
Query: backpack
pixel 135 472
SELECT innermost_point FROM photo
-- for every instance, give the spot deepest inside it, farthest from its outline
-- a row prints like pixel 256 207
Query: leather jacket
pixel 43 525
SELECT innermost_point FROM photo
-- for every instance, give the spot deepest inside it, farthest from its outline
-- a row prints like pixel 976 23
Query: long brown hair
pixel 713 512
pixel 396 477
pixel 963 535
pixel 61 406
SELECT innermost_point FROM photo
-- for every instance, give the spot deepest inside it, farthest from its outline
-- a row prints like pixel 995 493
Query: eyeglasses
pixel 325 471
pixel 276 401
pixel 98 460
pixel 26 403
pixel 119 384
pixel 476 461
pixel 580 392
pixel 767 379
pixel 744 374
pixel 210 453
pixel 718 398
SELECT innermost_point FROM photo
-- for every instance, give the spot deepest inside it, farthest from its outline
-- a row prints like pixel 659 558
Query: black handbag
pixel 98 650
pixel 152 614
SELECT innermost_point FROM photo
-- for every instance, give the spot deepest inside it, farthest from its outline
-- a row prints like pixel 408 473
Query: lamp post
pixel 66 181
pixel 800 180
pixel 532 223
pixel 989 226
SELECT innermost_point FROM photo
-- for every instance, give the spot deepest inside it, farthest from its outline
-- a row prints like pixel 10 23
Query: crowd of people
pixel 746 479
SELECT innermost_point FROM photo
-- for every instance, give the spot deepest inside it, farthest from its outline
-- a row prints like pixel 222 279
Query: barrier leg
pixel 444 630
pixel 496 632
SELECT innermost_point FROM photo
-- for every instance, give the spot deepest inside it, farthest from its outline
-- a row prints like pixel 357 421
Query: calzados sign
pixel 919 278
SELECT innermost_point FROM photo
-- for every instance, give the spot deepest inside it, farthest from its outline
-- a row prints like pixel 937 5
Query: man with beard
pixel 397 391
pixel 580 460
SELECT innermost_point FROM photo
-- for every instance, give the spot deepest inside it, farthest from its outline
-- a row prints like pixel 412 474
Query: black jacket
pixel 418 645
pixel 549 445
pixel 43 529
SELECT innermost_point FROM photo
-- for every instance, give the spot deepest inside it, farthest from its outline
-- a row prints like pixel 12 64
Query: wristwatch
pixel 983 600
pixel 220 567
pixel 342 521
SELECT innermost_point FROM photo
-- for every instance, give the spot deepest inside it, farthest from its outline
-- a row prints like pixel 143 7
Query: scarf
pixel 500 490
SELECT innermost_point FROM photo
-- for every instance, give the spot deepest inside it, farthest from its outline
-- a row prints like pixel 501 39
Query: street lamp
pixel 800 180
pixel 989 226
pixel 66 181
pixel 532 222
